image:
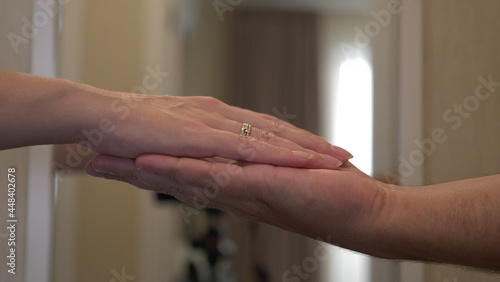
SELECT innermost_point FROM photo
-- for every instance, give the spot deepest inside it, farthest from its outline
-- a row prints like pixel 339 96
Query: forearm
pixel 37 110
pixel 456 222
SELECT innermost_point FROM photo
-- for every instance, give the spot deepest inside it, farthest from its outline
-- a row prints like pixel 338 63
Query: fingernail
pixel 100 170
pixel 93 173
pixel 332 160
pixel 303 155
pixel 342 152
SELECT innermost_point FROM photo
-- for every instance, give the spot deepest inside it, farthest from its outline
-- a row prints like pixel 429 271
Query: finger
pixel 251 149
pixel 111 165
pixel 223 177
pixel 224 186
pixel 170 167
pixel 115 168
pixel 206 192
pixel 318 160
pixel 122 169
pixel 285 130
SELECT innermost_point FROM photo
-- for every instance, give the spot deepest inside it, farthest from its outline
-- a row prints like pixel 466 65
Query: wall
pixel 461 43
pixel 106 227
pixel 95 230
pixel 205 56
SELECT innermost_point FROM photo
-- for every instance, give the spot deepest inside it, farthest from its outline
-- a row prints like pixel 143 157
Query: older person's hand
pixel 340 206
pixel 454 222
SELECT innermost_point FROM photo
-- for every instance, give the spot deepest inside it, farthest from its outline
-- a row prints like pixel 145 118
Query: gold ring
pixel 246 129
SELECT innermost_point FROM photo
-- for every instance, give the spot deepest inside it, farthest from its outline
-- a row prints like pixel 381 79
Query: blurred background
pixel 303 62
pixel 359 73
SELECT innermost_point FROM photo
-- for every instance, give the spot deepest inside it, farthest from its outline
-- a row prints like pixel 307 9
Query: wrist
pixel 110 123
pixel 78 107
pixel 41 110
pixel 384 229
pixel 369 229
pixel 403 229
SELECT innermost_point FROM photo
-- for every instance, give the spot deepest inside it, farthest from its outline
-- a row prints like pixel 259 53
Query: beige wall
pixel 461 43
pixel 105 226
pixel 204 56
pixel 111 44
pixel 96 220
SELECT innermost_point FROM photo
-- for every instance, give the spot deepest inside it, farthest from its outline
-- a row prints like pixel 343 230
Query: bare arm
pixel 456 222
pixel 36 110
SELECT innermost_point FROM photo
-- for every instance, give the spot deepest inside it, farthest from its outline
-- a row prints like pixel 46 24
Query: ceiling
pixel 326 6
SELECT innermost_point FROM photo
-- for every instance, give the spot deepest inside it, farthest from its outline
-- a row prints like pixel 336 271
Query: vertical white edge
pixel 411 107
pixel 411 85
pixel 333 31
pixel 43 53
pixel 41 185
pixel 39 220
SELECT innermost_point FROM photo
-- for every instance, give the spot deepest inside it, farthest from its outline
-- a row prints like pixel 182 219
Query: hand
pixel 340 206
pixel 128 124
pixel 204 127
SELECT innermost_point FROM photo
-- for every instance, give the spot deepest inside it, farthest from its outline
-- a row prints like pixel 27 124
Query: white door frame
pixel 411 108
pixel 41 183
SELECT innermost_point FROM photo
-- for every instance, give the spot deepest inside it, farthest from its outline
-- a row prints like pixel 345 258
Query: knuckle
pixel 247 148
pixel 245 141
pixel 267 136
pixel 207 100
pixel 275 125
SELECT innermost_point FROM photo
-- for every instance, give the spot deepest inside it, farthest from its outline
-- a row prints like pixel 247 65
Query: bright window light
pixel 349 266
pixel 352 128
pixel 352 124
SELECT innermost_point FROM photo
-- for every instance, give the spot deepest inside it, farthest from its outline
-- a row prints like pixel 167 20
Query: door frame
pixel 411 105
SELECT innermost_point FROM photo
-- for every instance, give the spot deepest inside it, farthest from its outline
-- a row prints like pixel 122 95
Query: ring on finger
pixel 246 129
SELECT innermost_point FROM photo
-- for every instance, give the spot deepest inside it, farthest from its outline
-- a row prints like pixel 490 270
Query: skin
pixel 41 110
pixel 190 147
pixel 455 222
